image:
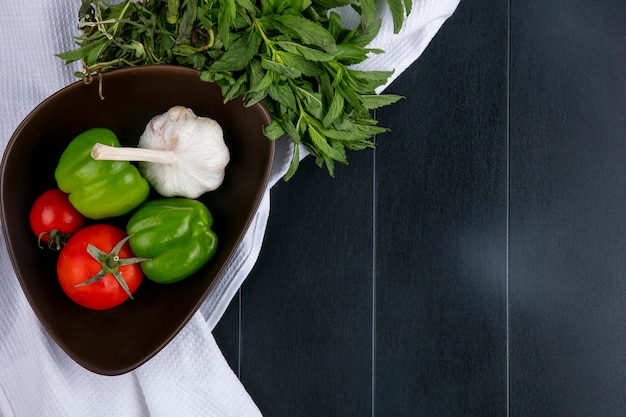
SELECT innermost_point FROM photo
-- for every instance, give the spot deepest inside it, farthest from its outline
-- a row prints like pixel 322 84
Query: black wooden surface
pixel 474 263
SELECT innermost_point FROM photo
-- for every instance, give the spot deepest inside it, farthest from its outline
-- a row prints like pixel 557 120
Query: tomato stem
pixel 111 262
pixel 56 239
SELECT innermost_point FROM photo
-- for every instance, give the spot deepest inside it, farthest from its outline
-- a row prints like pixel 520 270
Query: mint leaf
pixel 239 55
pixel 306 52
pixel 283 94
pixel 374 101
pixel 309 32
pixel 279 68
pixel 335 110
pixel 368 12
pixel 397 13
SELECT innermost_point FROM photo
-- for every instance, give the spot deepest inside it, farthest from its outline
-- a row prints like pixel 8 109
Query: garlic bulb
pixel 179 153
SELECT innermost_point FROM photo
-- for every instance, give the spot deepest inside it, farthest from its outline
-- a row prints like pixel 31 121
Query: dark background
pixel 474 263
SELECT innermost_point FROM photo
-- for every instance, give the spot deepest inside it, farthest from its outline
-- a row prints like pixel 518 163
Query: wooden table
pixel 474 264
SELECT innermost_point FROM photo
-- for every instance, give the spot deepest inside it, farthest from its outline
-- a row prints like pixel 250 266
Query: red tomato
pixel 52 215
pixel 76 265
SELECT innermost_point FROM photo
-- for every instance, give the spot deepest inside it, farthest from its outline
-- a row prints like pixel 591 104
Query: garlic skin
pixel 199 154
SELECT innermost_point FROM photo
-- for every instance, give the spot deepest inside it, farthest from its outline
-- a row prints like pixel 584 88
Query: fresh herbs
pixel 294 56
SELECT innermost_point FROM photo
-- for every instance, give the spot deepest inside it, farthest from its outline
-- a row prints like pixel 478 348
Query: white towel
pixel 190 376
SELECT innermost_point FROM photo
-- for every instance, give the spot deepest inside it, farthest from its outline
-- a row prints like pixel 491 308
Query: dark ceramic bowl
pixel 116 341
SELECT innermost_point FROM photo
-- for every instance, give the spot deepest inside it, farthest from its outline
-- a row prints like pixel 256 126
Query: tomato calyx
pixel 111 263
pixel 56 239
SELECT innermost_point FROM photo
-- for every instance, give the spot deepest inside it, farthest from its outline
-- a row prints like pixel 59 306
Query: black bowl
pixel 116 341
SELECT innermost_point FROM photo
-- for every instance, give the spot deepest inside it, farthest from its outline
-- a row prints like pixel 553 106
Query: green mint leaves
pixel 294 56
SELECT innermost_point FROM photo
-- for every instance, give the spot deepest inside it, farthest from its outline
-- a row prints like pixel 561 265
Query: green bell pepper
pixel 99 189
pixel 175 235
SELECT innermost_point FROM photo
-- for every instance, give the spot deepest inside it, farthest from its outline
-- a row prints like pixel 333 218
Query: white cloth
pixel 190 376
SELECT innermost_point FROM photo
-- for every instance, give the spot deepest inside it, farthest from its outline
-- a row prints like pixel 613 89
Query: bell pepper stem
pixel 103 152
